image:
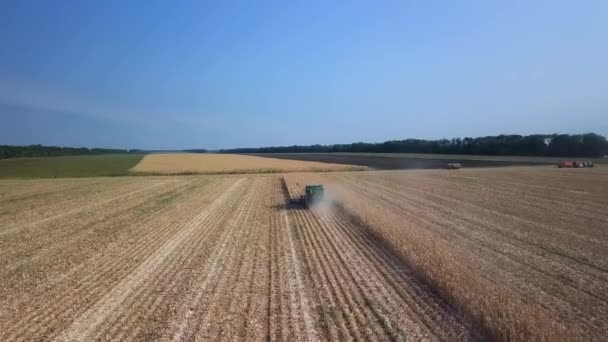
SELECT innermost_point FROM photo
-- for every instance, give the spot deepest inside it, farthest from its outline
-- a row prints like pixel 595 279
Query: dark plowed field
pixel 395 163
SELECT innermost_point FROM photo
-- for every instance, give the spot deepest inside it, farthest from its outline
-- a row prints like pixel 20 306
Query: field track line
pixel 299 284
pixel 244 319
pixel 16 227
pixel 218 254
pixel 224 250
pixel 253 326
pixel 84 325
pixel 285 324
pixel 343 302
pixel 146 298
pixel 275 286
pixel 357 299
pixel 333 328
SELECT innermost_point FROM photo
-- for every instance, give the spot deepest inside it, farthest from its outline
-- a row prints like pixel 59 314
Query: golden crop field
pixel 507 254
pixel 197 163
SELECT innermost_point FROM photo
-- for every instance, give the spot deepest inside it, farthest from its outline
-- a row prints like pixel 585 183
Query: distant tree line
pixel 197 150
pixel 7 151
pixel 559 145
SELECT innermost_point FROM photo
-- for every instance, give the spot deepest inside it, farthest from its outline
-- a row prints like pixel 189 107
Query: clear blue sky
pixel 220 74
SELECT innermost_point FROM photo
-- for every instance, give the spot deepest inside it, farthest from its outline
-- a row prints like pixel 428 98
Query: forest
pixel 8 151
pixel 558 145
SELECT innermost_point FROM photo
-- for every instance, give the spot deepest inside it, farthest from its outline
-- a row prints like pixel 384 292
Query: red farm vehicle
pixel 575 164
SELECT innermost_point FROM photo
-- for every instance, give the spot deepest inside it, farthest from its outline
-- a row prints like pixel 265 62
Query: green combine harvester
pixel 313 194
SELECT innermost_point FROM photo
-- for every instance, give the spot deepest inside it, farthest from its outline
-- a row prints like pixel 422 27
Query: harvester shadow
pixel 286 206
pixel 288 203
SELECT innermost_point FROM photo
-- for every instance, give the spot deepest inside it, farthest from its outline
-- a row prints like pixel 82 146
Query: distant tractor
pixel 454 166
pixel 313 194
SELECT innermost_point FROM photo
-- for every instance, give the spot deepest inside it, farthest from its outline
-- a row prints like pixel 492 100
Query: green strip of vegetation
pixel 69 166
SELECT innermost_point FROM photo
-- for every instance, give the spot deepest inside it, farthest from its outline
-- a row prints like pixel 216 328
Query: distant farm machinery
pixel 313 194
pixel 567 164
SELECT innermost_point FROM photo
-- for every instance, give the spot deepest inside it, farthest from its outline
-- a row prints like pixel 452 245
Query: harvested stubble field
pixel 196 163
pixel 432 255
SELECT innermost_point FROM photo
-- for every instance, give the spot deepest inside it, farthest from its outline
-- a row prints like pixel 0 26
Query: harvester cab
pixel 313 194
